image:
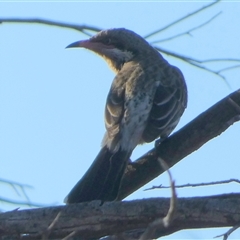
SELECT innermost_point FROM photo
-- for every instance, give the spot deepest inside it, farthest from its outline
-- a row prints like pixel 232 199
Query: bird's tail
pixel 103 178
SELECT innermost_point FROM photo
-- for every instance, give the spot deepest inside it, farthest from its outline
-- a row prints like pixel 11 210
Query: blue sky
pixel 52 98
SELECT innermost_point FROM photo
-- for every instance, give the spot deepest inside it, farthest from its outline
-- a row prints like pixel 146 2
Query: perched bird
pixel 146 100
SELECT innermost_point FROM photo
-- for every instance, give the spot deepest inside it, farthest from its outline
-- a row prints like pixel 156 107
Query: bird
pixel 146 100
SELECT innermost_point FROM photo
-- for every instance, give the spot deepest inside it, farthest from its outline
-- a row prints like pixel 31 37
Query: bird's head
pixel 117 46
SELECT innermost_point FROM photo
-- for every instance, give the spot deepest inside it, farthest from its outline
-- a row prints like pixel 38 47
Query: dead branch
pixel 191 137
pixel 188 32
pixel 200 63
pixel 181 19
pixel 85 29
pixel 20 190
pixel 47 232
pixel 162 223
pixel 159 223
pixel 77 27
pixel 229 232
pixel 196 184
pixel 90 220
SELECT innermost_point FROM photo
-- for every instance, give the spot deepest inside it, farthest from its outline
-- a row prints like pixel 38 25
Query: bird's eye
pixel 108 41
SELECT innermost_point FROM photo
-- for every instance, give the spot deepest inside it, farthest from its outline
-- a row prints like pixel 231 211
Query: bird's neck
pixel 116 58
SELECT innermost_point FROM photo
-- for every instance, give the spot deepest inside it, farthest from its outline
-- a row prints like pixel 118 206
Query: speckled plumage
pixel 145 102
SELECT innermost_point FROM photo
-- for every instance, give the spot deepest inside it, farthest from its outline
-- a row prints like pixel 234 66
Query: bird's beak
pixel 83 43
pixel 97 47
pixel 73 45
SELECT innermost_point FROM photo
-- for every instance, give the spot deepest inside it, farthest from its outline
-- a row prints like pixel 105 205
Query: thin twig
pixel 22 203
pixel 69 235
pixel 227 234
pixel 229 68
pixel 193 62
pixel 196 184
pixel 173 201
pixel 180 19
pixel 15 186
pixel 220 60
pixel 167 220
pixel 46 234
pixel 187 58
pixel 81 28
pixel 2 180
pixel 188 32
pixel 85 30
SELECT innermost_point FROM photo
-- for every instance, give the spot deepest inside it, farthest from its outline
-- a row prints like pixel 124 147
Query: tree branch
pixel 81 28
pixel 85 30
pixel 181 19
pixel 229 232
pixel 96 221
pixel 191 137
pixel 196 184
pixel 199 63
pixel 188 32
pixel 162 223
pixel 16 187
pixel 90 220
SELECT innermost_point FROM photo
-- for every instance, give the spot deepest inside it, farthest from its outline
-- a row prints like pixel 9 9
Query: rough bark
pixel 90 220
pixel 188 139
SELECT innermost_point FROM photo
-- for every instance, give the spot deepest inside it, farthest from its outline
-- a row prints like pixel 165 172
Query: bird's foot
pixel 158 142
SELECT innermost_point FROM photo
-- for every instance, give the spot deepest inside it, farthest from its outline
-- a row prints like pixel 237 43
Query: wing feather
pixel 168 106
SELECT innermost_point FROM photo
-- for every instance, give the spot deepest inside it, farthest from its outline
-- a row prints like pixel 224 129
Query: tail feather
pixel 103 178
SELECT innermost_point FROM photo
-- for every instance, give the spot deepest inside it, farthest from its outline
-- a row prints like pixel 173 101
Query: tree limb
pixel 90 220
pixel 191 137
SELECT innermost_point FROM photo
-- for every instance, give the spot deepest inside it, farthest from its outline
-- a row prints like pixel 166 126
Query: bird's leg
pixel 158 142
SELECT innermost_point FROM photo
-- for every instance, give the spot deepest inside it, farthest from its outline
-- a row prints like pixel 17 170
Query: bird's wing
pixel 168 106
pixel 127 108
pixel 114 110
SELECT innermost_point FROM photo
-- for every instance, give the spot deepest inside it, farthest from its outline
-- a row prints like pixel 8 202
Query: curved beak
pixel 83 43
pixel 73 45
